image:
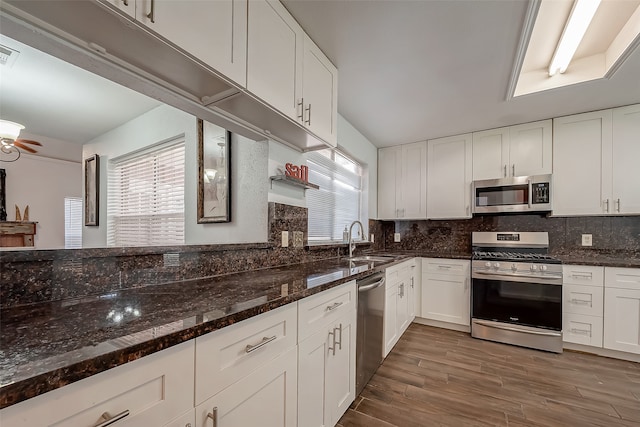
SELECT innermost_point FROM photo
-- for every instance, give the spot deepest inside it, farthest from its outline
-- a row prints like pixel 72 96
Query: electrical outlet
pixel 587 240
pixel 372 240
pixel 396 237
pixel 285 239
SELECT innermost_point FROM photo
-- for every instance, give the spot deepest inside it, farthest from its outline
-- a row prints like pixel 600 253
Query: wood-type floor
pixel 438 377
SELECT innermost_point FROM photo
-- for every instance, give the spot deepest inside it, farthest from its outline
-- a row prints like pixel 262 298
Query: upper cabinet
pixel 519 150
pixel 595 156
pixel 402 182
pixel 127 6
pixel 288 71
pixel 449 177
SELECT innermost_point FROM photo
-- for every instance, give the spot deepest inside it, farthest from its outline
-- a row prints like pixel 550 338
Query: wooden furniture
pixel 15 234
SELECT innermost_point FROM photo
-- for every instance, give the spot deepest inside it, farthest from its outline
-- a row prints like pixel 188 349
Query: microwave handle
pixel 530 185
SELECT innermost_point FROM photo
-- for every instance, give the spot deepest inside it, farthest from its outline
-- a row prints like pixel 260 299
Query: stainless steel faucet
pixel 352 245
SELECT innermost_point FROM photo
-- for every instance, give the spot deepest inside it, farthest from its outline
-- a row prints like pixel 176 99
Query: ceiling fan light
pixel 581 15
pixel 10 130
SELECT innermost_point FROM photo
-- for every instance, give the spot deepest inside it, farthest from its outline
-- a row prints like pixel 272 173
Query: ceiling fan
pixel 10 143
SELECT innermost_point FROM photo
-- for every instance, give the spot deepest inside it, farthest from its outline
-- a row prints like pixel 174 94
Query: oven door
pixel 521 303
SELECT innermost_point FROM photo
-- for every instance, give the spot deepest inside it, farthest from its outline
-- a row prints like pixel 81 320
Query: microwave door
pixel 502 196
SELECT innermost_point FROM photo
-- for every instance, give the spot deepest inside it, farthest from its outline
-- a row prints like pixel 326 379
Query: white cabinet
pixel 186 420
pixel 519 150
pixel 582 306
pixel 626 152
pixel 622 309
pixel 288 71
pixel 326 357
pixel 127 6
pixel 449 177
pixel 398 302
pixel 446 290
pixel 154 390
pixel 265 397
pixel 402 182
pixel 413 291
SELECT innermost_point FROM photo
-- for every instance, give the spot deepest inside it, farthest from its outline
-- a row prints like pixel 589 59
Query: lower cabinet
pixel 446 293
pixel 622 309
pixel 186 420
pixel 399 306
pixel 582 305
pixel 266 397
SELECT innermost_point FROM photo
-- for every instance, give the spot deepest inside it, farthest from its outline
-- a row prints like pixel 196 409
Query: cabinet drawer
pixel 154 389
pixel 581 329
pixel 583 275
pixel 229 354
pixel 445 266
pixel 318 310
pixel 623 278
pixel 580 299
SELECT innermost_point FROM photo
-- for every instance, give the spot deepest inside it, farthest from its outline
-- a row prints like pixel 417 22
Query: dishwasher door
pixel 369 345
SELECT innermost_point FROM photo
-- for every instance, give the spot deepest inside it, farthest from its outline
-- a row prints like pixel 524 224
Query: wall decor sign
pixel 91 190
pixel 299 172
pixel 214 173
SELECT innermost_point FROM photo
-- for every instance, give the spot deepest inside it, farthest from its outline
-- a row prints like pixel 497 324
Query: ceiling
pixel 416 70
pixel 55 99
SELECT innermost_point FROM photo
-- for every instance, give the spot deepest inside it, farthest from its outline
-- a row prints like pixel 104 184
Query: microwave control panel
pixel 540 193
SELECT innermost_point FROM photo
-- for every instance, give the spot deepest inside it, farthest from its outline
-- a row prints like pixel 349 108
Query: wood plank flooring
pixel 438 377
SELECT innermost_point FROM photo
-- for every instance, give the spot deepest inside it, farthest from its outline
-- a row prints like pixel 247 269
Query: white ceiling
pixel 422 69
pixel 58 100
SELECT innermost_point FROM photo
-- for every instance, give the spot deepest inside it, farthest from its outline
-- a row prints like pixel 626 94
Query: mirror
pixel 75 114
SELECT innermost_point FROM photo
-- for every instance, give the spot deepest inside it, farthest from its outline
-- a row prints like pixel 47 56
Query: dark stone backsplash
pixel 620 234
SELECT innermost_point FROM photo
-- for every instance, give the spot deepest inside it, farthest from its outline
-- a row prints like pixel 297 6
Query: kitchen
pixel 56 281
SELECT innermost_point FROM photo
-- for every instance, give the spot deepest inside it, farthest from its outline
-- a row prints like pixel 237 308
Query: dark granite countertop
pixel 627 259
pixel 45 346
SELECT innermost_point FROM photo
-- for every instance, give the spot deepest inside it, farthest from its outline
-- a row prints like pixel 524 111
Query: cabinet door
pixel 402 311
pixel 319 92
pixel 449 177
pixel 186 420
pixel 530 148
pixel 581 329
pixel 215 32
pixel 413 202
pixel 491 154
pixel 389 182
pixel 313 366
pixel 626 152
pixel 622 319
pixel 127 6
pixel 581 148
pixel 446 298
pixel 390 319
pixel 274 56
pixel 266 397
pixel 341 382
pixel 412 289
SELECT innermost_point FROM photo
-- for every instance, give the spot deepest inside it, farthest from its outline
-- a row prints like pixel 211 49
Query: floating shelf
pixel 293 181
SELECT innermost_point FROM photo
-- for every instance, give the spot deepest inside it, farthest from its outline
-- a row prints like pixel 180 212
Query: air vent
pixel 8 56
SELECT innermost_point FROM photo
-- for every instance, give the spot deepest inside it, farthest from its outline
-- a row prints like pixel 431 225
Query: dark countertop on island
pixel 45 346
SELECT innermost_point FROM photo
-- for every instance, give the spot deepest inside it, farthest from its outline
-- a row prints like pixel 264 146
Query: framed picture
pixel 214 173
pixel 91 189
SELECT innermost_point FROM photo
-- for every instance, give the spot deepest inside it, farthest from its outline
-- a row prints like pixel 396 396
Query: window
pixel 146 197
pixel 72 222
pixel 338 201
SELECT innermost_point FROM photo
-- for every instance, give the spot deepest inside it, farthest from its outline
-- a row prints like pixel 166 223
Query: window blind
pixel 145 203
pixel 72 222
pixel 338 201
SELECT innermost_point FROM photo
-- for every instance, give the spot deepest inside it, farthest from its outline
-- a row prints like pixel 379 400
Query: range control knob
pixel 496 265
pixel 534 267
pixel 514 267
pixel 487 264
pixel 543 268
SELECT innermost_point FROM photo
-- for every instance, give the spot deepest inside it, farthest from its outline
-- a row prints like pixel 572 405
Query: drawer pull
pixel 580 302
pixel 265 341
pixel 581 332
pixel 445 267
pixel 587 276
pixel 334 306
pixel 214 416
pixel 106 419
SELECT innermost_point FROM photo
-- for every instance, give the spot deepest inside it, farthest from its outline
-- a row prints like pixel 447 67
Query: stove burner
pixel 515 256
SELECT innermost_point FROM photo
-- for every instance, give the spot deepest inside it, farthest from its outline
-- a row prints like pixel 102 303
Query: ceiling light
pixel 579 19
pixel 10 130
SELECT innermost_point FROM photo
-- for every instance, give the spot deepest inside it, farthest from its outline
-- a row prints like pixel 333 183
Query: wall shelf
pixel 294 182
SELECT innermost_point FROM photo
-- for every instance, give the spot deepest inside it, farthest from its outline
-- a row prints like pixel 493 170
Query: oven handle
pixel 512 329
pixel 515 277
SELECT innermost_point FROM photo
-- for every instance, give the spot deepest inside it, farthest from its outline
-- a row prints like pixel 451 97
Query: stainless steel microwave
pixel 517 194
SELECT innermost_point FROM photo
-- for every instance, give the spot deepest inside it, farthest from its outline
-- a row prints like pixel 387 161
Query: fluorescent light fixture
pixel 10 130
pixel 579 19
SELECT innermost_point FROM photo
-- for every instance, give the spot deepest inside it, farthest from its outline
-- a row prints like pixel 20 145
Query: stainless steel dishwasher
pixel 369 340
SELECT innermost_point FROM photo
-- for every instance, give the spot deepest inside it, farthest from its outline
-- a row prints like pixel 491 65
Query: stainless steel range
pixel 516 290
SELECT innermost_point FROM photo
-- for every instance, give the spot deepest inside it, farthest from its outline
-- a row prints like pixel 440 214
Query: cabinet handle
pixel 301 105
pixel 580 302
pixel 265 341
pixel 467 209
pixel 401 288
pixel 107 420
pixel 587 276
pixel 334 332
pixel 513 169
pixel 607 203
pixel 445 267
pixel 308 110
pixel 466 284
pixel 332 349
pixel 214 416
pixel 126 2
pixel 505 171
pixel 618 205
pixel 412 283
pixel 151 15
pixel 334 306
pixel 581 332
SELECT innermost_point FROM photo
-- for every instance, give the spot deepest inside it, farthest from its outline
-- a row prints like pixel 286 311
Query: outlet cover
pixel 396 237
pixel 297 239
pixel 285 239
pixel 372 240
pixel 587 240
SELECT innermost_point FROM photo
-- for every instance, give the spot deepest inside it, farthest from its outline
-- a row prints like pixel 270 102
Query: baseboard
pixel 443 325
pixel 614 354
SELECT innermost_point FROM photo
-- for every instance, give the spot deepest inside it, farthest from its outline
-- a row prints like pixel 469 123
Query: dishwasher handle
pixel 374 285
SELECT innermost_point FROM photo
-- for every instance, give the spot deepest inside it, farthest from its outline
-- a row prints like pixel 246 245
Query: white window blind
pixel 72 222
pixel 338 201
pixel 145 204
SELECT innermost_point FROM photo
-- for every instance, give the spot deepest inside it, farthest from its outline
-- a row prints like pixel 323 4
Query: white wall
pixel 249 210
pixel 43 183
